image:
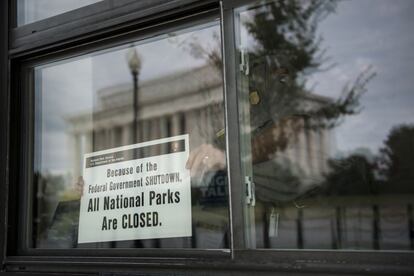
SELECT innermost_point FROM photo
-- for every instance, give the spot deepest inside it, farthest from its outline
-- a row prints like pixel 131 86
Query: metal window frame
pixel 96 21
pixel 164 18
pixel 27 125
pixel 34 42
pixel 310 261
pixel 4 126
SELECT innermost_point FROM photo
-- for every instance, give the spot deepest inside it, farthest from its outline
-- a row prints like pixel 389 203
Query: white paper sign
pixel 141 191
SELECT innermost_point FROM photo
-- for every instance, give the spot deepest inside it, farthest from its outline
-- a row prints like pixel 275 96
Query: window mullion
pixel 236 192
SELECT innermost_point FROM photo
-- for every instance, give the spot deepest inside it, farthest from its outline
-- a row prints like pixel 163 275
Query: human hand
pixel 205 158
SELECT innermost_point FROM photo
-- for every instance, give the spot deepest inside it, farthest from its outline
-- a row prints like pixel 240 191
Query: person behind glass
pixel 63 230
pixel 208 157
pixel 270 135
pixel 273 125
pixel 276 121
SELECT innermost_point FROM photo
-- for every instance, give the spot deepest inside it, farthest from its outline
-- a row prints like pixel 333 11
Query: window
pixel 207 137
pixel 34 10
pixel 85 104
pixel 327 124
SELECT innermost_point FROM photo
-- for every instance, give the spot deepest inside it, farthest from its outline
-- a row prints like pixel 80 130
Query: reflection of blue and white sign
pixel 141 191
pixel 214 191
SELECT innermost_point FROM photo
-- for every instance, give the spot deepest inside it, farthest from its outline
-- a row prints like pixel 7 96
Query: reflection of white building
pixel 184 102
pixel 311 146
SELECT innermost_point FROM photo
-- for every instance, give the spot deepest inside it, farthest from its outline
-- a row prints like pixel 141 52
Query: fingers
pixel 191 158
pixel 198 167
pixel 205 158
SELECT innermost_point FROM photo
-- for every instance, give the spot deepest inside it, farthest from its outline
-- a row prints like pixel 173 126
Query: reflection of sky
pixel 33 10
pixel 359 34
pixel 362 34
pixel 64 87
pixel 70 87
pixel 370 33
pixel 158 58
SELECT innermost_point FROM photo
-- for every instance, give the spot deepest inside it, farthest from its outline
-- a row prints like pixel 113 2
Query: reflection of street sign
pixel 215 191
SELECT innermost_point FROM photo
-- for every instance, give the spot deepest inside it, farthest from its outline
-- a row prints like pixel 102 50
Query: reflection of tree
pixel 356 175
pixel 54 228
pixel 285 34
pixel 287 30
pixel 284 184
pixel 286 49
pixel 353 175
pixel 208 50
pixel 396 160
pixel 210 53
pixel 48 186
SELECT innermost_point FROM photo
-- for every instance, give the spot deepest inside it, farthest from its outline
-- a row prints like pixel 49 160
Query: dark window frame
pixel 94 22
pixel 26 140
pixel 4 125
pixel 36 40
pixel 316 261
pixel 21 152
pixel 26 182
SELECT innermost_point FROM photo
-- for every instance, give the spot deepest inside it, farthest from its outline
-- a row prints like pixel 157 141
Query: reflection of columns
pixel 320 153
pixel 208 121
pixel 289 152
pixel 183 123
pixel 145 125
pixel 141 129
pixel 290 149
pixel 325 147
pixel 110 137
pixel 94 139
pixel 97 140
pixel 163 127
pixel 117 136
pixel 88 142
pixel 193 126
pixel 75 150
pixel 146 129
pixel 154 134
pixel 308 146
pixel 101 139
pixel 312 151
pixel 175 124
pixel 302 153
pixel 205 128
pixel 126 134
pixel 155 129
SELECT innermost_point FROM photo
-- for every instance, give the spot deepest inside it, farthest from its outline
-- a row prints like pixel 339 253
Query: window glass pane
pixel 29 11
pixel 328 131
pixel 93 188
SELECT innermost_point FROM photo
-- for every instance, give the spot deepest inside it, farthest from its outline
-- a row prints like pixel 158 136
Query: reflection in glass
pixel 329 124
pixel 85 104
pixel 29 11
